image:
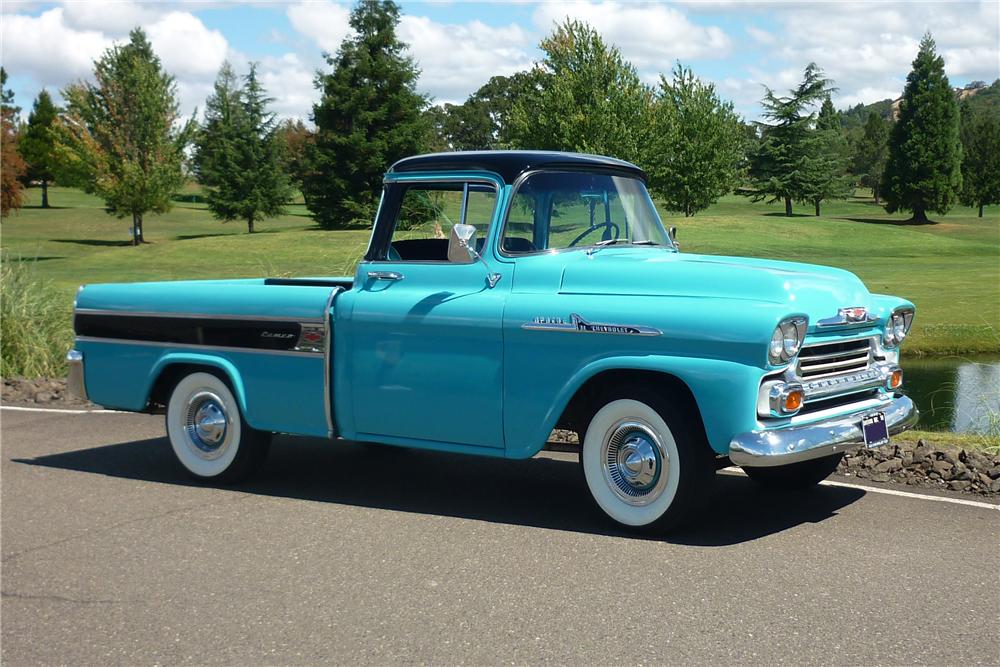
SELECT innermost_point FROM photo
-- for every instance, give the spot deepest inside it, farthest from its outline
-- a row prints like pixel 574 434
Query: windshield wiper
pixel 646 242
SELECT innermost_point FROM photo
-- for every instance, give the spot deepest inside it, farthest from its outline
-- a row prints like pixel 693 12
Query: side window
pixel 519 233
pixel 427 212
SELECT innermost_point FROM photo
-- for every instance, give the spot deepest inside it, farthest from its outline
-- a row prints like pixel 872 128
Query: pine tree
pixel 981 161
pixel 924 172
pixel 697 147
pixel 822 173
pixel 120 138
pixel 872 152
pixel 239 156
pixel 369 116
pixel 587 98
pixel 776 167
pixel 38 143
pixel 12 167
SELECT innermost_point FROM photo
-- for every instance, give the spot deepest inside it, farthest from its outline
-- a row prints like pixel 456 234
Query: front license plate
pixel 875 430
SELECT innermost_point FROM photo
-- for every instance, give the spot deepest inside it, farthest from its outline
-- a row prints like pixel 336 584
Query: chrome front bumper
pixel 75 382
pixel 780 447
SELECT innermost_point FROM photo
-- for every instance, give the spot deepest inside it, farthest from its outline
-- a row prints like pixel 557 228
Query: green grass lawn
pixel 951 270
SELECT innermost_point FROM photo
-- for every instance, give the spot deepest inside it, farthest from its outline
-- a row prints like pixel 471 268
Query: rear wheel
pixel 209 436
pixel 645 466
pixel 800 475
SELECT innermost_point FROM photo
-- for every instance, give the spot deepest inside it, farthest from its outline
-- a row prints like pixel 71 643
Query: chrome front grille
pixel 822 360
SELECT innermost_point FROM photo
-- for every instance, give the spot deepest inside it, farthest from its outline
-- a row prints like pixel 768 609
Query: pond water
pixel 955 393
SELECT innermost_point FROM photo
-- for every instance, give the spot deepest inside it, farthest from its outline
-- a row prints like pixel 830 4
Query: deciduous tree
pixel 38 143
pixel 697 145
pixel 120 137
pixel 12 167
pixel 239 156
pixel 586 98
pixel 369 116
pixel 923 172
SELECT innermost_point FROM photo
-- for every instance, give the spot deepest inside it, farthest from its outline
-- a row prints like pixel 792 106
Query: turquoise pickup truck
pixel 505 294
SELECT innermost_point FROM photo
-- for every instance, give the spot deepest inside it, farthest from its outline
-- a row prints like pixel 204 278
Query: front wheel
pixel 794 476
pixel 209 436
pixel 644 464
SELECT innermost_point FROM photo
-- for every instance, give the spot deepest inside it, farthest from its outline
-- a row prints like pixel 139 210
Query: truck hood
pixel 818 291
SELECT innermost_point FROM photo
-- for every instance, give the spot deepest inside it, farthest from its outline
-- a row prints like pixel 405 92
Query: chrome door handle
pixel 385 275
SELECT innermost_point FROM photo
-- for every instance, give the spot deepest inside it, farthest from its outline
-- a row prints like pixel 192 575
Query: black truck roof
pixel 511 164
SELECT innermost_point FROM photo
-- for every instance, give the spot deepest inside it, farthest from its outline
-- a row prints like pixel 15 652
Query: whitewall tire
pixel 644 468
pixel 207 432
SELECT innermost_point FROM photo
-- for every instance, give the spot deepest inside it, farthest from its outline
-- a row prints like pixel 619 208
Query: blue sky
pixel 866 47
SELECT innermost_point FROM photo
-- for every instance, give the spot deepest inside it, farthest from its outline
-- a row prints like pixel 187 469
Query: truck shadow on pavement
pixel 540 492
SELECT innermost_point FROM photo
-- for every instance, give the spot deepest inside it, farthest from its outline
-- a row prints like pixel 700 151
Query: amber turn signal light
pixel 793 400
pixel 896 379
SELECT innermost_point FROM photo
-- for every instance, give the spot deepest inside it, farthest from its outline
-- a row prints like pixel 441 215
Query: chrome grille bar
pixel 830 359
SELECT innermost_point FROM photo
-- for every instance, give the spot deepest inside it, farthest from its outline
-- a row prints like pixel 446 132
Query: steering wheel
pixel 611 231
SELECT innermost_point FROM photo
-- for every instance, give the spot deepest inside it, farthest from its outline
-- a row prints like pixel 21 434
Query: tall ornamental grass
pixel 35 325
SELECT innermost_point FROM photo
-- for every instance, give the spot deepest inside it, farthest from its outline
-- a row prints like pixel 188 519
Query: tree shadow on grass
pixel 778 214
pixel 543 492
pixel 50 207
pixel 886 221
pixel 29 260
pixel 96 242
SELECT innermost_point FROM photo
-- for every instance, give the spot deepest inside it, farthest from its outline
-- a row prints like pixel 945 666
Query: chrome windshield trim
pixel 191 346
pixel 205 316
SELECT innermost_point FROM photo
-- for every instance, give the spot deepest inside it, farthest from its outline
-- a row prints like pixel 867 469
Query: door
pixel 426 338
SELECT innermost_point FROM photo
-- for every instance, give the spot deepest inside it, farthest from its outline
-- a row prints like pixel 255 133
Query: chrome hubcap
pixel 207 425
pixel 635 462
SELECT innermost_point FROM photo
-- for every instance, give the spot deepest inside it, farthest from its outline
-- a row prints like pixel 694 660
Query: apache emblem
pixel 580 325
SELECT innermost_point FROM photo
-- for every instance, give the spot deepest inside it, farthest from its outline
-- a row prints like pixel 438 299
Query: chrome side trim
pixel 778 447
pixel 206 316
pixel 190 346
pixel 579 325
pixel 76 381
pixel 328 360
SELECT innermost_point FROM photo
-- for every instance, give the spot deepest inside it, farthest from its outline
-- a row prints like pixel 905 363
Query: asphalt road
pixel 347 554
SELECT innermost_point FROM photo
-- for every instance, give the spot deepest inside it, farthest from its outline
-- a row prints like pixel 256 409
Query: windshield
pixel 557 210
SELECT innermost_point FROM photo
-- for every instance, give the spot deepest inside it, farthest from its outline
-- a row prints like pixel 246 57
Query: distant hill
pixel 982 98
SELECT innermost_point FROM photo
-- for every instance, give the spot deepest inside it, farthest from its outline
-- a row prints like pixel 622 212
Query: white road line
pixel 99 411
pixel 894 492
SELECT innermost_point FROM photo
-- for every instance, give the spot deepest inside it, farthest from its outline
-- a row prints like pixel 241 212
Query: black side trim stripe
pixel 207 331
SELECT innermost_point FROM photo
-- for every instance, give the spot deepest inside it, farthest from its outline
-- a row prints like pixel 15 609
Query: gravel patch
pixel 44 392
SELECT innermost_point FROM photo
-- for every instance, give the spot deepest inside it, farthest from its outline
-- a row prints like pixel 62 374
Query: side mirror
pixel 462 244
pixel 672 232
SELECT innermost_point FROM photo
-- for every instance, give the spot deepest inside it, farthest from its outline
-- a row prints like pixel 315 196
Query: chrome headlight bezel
pixel 786 340
pixel 897 327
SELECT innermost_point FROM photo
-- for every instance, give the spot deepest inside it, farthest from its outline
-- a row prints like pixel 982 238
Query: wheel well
pixel 587 398
pixel 168 378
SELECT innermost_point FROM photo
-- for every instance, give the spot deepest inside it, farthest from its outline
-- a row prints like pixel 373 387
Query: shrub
pixel 35 326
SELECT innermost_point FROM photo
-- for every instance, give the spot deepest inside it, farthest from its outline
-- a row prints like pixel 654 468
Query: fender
pixel 190 358
pixel 716 385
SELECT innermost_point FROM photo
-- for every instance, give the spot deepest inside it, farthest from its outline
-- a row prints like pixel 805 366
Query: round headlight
pixel 777 345
pixel 898 326
pixel 790 339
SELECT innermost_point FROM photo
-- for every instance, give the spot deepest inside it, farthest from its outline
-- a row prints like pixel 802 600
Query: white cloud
pixel 761 36
pixel 326 23
pixel 651 36
pixel 456 59
pixel 186 47
pixel 46 49
pixel 290 82
pixel 115 17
